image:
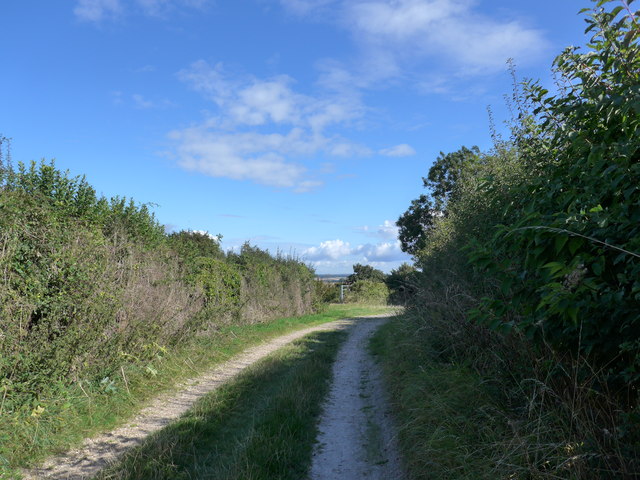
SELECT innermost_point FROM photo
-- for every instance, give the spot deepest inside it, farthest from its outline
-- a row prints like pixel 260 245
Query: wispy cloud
pixel 140 102
pixel 402 150
pixel 263 128
pixel 143 103
pixel 99 10
pixel 397 36
pixel 387 231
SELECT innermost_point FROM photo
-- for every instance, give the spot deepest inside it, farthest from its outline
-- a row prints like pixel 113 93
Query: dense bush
pixel 89 284
pixel 368 291
pixel 550 223
pixel 569 265
pixel 327 292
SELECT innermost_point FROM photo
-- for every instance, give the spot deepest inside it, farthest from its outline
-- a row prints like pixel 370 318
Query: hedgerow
pixel 89 284
pixel 530 267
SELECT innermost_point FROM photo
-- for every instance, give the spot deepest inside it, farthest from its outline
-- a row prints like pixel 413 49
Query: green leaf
pixel 574 245
pixel 560 242
pixel 597 268
pixel 553 267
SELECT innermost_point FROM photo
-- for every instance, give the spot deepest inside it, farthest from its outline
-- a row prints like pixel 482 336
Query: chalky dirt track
pixel 357 439
pixel 367 398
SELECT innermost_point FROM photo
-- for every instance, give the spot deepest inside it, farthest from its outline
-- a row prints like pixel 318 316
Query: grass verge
pixel 81 409
pixel 450 425
pixel 262 425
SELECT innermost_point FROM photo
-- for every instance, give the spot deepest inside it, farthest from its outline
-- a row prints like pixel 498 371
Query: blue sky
pixel 303 126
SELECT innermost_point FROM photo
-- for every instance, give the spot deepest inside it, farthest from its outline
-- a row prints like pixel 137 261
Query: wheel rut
pixel 357 437
pixel 98 452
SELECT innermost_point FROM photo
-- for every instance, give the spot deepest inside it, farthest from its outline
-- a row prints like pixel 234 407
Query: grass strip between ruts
pixel 261 425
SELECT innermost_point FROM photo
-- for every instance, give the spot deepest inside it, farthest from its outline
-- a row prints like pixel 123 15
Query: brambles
pixel 539 246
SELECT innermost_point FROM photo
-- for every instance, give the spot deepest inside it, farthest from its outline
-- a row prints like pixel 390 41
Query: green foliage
pixel 550 222
pixel 444 182
pixel 366 272
pixel 414 224
pixel 402 282
pixel 369 292
pixel 445 174
pixel 449 424
pixel 191 245
pixel 569 265
pixel 222 283
pixel 327 292
pixel 273 286
pixel 90 286
pixel 74 197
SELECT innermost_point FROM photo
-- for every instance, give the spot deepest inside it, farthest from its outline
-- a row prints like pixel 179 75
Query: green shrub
pixel 88 285
pixel 539 244
pixel 327 292
pixel 368 291
pixel 221 283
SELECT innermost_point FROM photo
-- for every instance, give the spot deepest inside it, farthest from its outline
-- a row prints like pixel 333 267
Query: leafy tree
pixel 445 173
pixel 192 245
pixel 414 224
pixel 401 277
pixel 402 282
pixel 366 272
pixel 442 182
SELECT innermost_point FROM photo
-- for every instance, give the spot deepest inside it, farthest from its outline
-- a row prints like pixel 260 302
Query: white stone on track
pixel 357 439
pixel 98 452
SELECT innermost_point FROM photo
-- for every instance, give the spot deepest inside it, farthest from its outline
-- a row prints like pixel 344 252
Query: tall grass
pixel 475 404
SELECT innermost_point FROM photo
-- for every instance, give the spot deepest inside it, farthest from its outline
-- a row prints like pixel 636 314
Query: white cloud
pixel 341 251
pixel 403 19
pixel 397 36
pixel 262 129
pixel 141 102
pixel 252 101
pixel 381 252
pixel 388 230
pixel 238 156
pixel 329 250
pixel 96 10
pixel 402 150
pixel 449 29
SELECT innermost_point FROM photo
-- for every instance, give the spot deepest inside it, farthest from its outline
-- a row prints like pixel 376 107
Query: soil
pixel 357 439
pixel 96 453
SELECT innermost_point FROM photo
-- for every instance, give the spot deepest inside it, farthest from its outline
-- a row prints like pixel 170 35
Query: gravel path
pixel 98 452
pixel 356 438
